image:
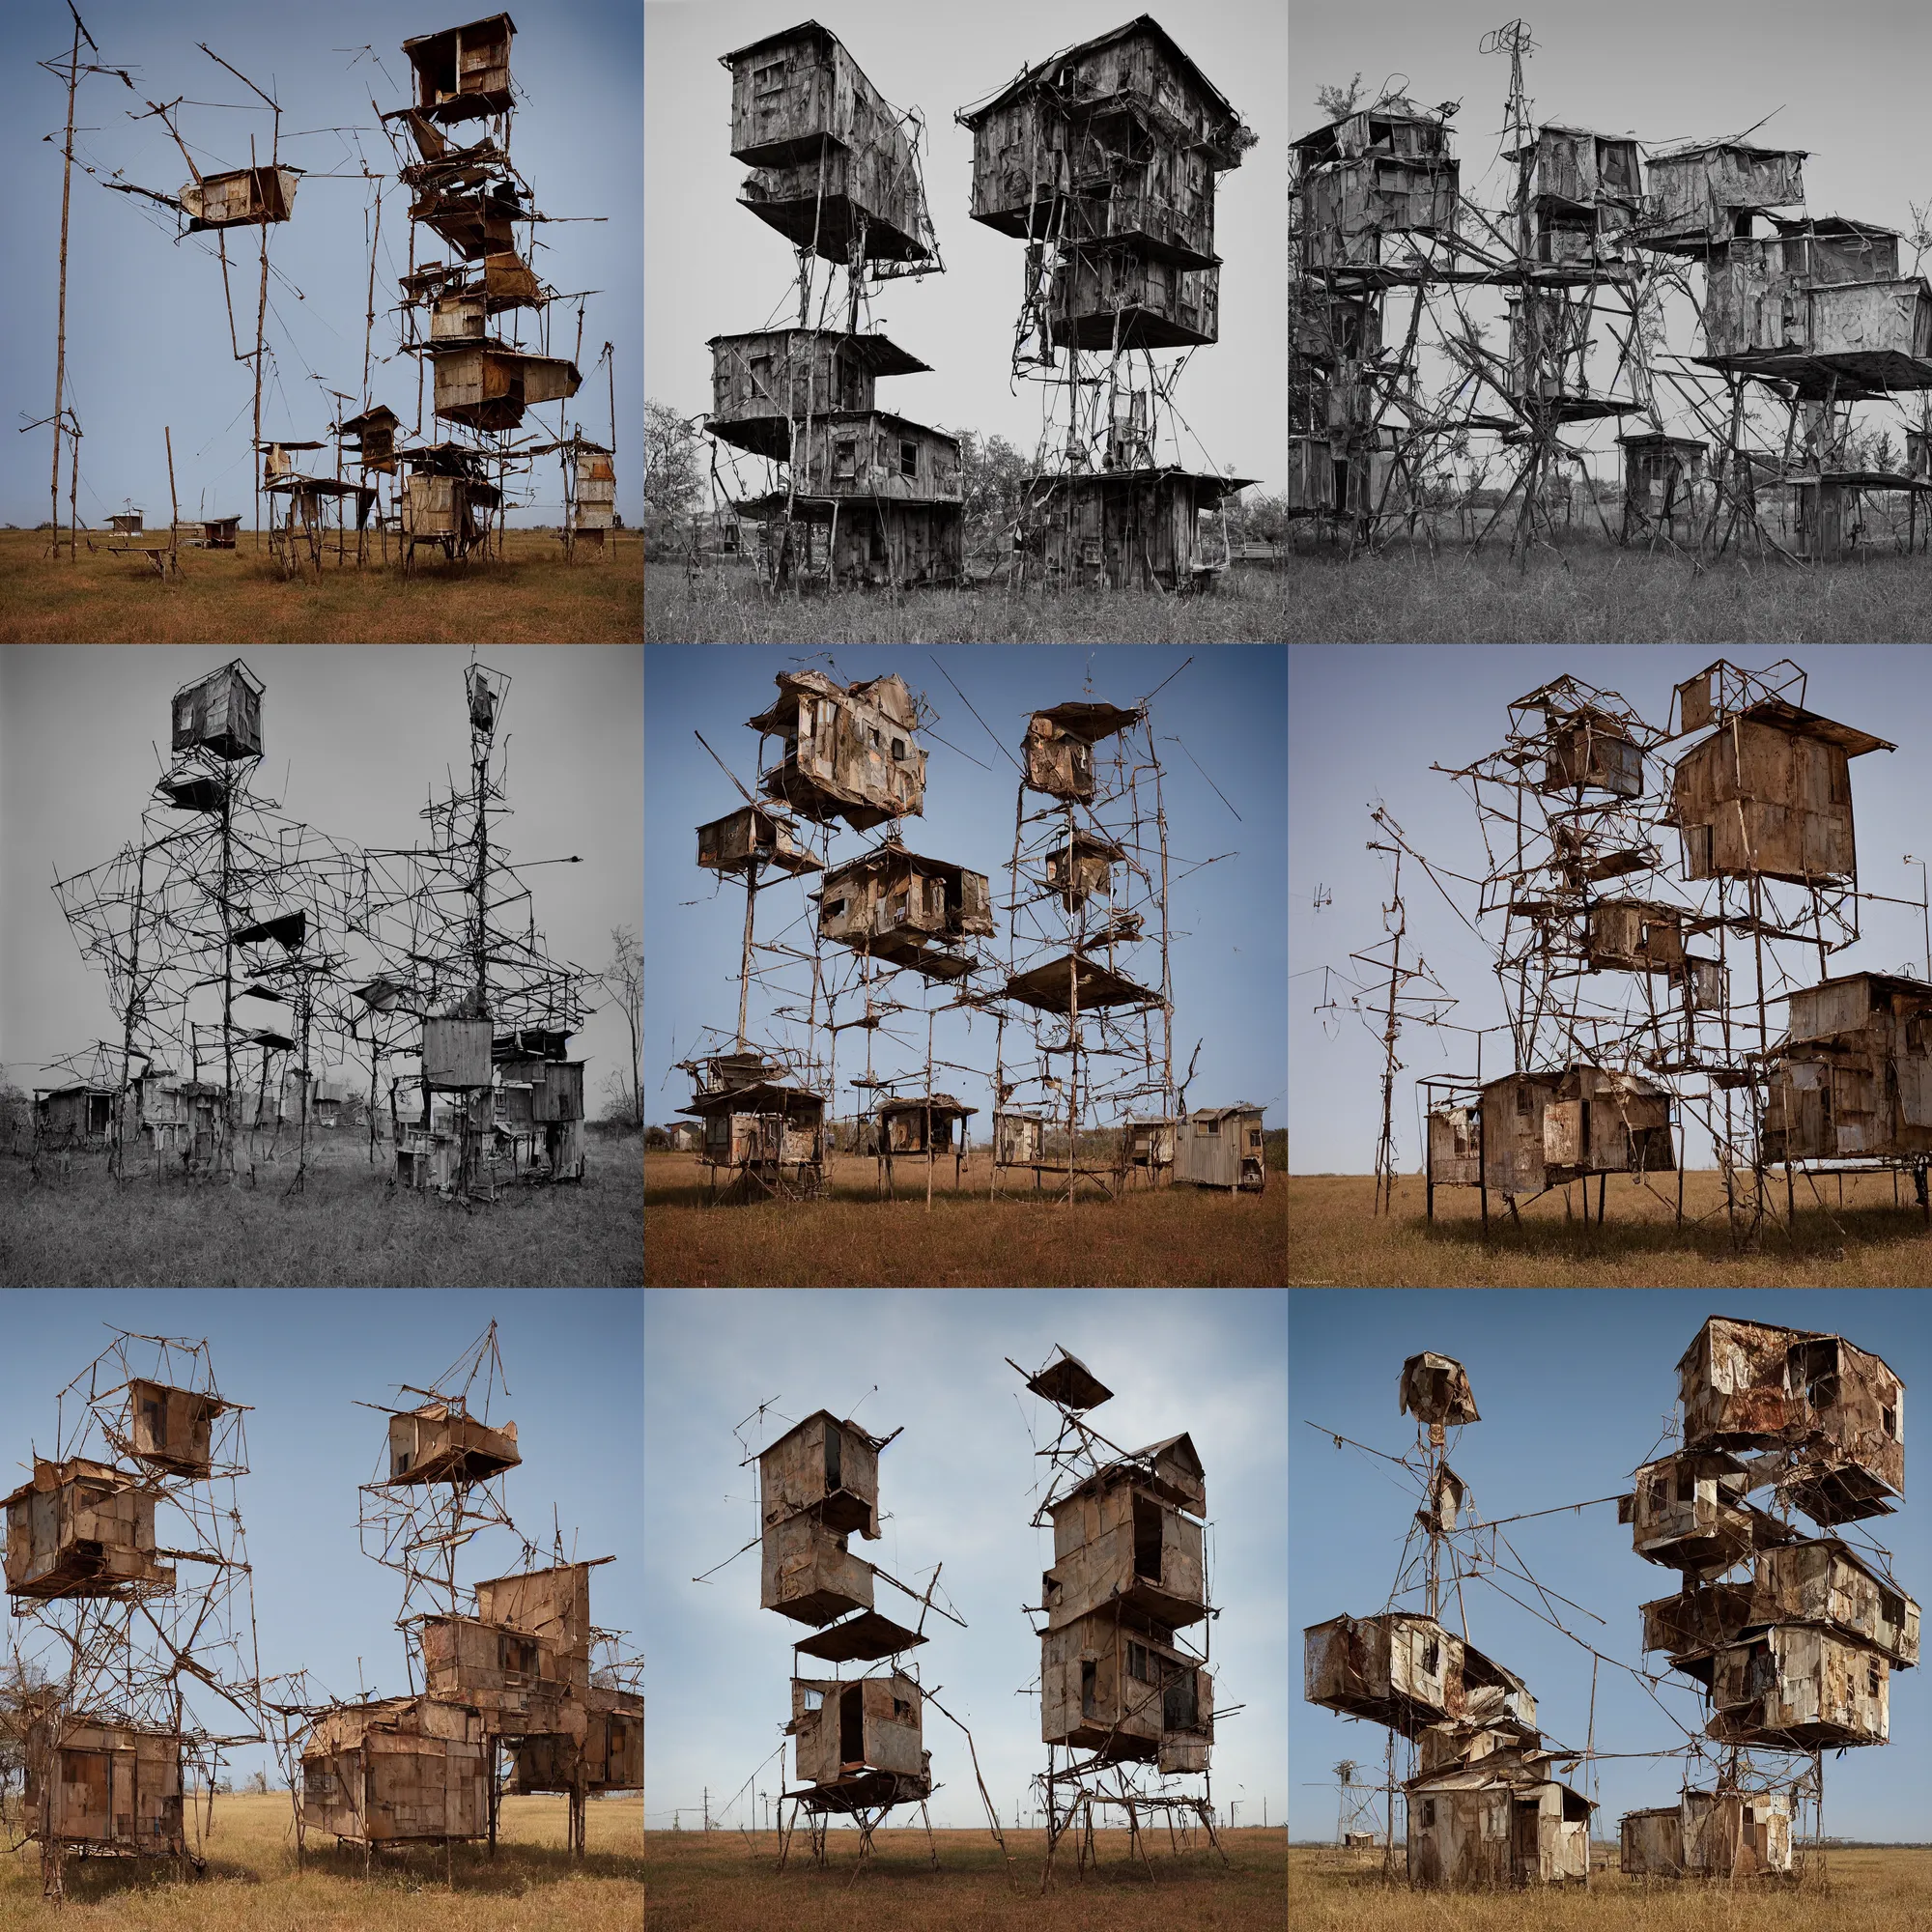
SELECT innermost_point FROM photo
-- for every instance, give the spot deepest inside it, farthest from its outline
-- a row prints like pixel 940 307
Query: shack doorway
pixel 1178 1706
pixel 832 1455
pixel 1522 1837
pixel 851 1726
pixel 1147 1538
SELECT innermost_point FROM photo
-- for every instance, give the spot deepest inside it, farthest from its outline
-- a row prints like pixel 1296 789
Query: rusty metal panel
pixel 1435 1388
pixel 1563 1133
pixel 1453 1147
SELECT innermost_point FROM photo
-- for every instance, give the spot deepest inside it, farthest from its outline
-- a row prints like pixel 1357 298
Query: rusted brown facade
pixel 115 1788
pixel 1409 1672
pixel 1540 1131
pixel 1435 1389
pixel 437 1443
pixel 824 1469
pixel 911 910
pixel 762 382
pixel 849 751
pixel 462 73
pixel 81 1528
pixel 1854 1073
pixel 1727 1834
pixel 1502 1822
pixel 1059 747
pixel 398 1770
pixel 243 197
pixel 752 834
pixel 846 1730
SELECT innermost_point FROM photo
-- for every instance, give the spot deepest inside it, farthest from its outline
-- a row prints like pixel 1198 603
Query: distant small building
pixel 1221 1146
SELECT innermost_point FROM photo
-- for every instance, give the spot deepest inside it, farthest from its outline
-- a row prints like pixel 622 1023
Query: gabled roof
pixel 761 1098
pixel 1783 716
pixel 941 1105
pixel 1083 718
pixel 805 29
pixel 872 1443
pixel 882 855
pixel 1029 76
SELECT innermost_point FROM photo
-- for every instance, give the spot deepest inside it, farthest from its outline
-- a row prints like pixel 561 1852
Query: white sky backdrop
pixel 353 736
pixel 716 269
pixel 957 1488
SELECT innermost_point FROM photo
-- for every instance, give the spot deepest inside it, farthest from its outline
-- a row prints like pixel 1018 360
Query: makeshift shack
pixel 1666 487
pixel 220 713
pixel 1372 179
pixel 764 381
pixel 80 1114
pixel 80 1528
pixel 516 1681
pixel 1688 1512
pixel 1502 1822
pixel 397 1768
pixel 1702 196
pixel 1060 743
pixel 1542 1130
pixel 239 198
pixel 171 1428
pixel 1081 868
pixel 609 1758
pixel 1853 1075
pixel 439 1443
pixel 1725 1834
pixel 1119 1541
pixel 1795 1688
pixel 826 1469
pixel 1407 1672
pixel 1126 1691
pixel 808 1574
pixel 849 751
pixel 1435 1389
pixel 1221 1146
pixel 752 834
pixel 107 1787
pixel 902 907
pixel 463 72
pixel 845 1730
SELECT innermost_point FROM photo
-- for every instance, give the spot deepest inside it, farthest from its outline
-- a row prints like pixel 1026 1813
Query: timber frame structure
pixel 1111 1593
pixel 134 1637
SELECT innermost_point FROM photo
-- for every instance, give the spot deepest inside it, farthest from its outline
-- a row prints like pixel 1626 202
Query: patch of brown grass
pixel 251 1884
pixel 1335 1240
pixel 1878 1890
pixel 729 1882
pixel 240 597
pixel 1175 1238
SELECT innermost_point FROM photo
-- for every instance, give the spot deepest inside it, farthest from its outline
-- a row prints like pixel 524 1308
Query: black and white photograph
pixel 321 967
pixel 963 333
pixel 1608 325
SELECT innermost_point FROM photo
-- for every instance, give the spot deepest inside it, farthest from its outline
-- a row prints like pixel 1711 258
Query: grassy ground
pixel 347 1228
pixel 1179 1236
pixel 1249 608
pixel 1592 592
pixel 1880 1891
pixel 727 1882
pixel 251 1884
pixel 1868 1242
pixel 240 597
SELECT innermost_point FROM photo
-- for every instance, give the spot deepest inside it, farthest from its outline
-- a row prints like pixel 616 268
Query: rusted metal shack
pixel 1853 1075
pixel 1702 196
pixel 1221 1146
pixel 849 751
pixel 1505 1820
pixel 81 1528
pixel 1540 1130
pixel 107 1788
pixel 902 907
pixel 396 1770
pixel 1709 1834
pixel 1409 1672
pixel 1666 487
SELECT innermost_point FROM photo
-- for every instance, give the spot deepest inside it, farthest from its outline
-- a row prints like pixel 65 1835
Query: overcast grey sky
pixel 957 1488
pixel 1226 708
pixel 1366 722
pixel 302 1358
pixel 1574 1387
pixel 716 269
pixel 353 737
pixel 1853 97
pixel 148 341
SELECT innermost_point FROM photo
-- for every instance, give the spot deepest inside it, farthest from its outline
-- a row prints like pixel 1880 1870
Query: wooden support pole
pixel 260 326
pixel 174 508
pixel 60 349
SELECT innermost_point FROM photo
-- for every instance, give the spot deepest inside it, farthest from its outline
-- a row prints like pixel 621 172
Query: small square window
pixel 815 1701
pixel 898 759
pixel 769 79
pixel 908 459
pixel 844 458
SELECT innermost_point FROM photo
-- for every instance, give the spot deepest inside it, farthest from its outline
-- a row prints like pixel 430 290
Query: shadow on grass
pixel 1818 1234
pixel 514 1869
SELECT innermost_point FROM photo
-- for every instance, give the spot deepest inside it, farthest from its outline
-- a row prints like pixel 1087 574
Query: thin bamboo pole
pixel 173 506
pixel 60 350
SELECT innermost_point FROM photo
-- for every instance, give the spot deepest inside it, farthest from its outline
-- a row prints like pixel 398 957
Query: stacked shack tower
pixel 859 1752
pixel 1484 1806
pixel 514 1673
pixel 1796 1656
pixel 867 496
pixel 468 196
pixel 1103 161
pixel 1118 1678
pixel 133 1607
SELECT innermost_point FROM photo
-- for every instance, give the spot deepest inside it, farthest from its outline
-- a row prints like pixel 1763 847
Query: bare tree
pixel 1339 103
pixel 623 978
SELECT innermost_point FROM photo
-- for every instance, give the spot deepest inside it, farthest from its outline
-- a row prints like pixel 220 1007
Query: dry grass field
pixel 347 1228
pixel 1591 591
pixel 251 1884
pixel 1248 609
pixel 1177 1237
pixel 727 1882
pixel 1333 1240
pixel 1887 1889
pixel 240 597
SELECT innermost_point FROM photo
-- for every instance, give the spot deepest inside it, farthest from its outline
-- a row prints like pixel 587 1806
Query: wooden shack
pixel 1585 749
pixel 79 1115
pixel 1795 1688
pixel 1362 210
pixel 1505 1821
pixel 1690 1511
pixel 1103 294
pixel 375 434
pixel 553 1602
pixel 767 1135
pixel 1854 1074
pixel 462 73
pixel 1409 1672
pixel 1435 1389
pixel 1059 747
pixel 107 1788
pixel 1221 1146
pixel 844 1730
pixel 220 713
pixel 825 1469
pixel 442 508
pixel 439 1443
pixel 1125 528
pixel 808 1574
pixel 1117 1540
pixel 849 751
pixel 1127 1690
pixel 1634 936
pixel 1760 1385
pixel 455 1052
pixel 516 1681
pixel 1726 1834
pixel 1454 1153
pixel 239 198
pixel 554 1088
pixel 1770 793
pixel 826 204
pixel 395 1769
pixel 1666 487
pixel 80 1528
pixel 125 522
pixel 594 498
pixel 753 835
pixel 1701 197
pixel 171 1428
pixel 488 385
pixel 1150 1147
pixel 762 380
pixel 870 454
pixel 911 1124
pixel 1019 1140
pixel 1584 188
pixel 1542 1130
pixel 899 905
pixel 609 1758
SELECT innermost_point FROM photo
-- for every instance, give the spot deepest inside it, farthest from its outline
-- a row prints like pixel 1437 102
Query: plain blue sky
pixel 716 269
pixel 353 737
pixel 1227 954
pixel 1574 1388
pixel 956 1489
pixel 148 340
pixel 1667 72
pixel 303 1359
pixel 1366 722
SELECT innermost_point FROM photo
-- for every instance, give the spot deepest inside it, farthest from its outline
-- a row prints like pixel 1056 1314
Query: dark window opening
pixel 1889 1420
pixel 851 1726
pixel 1088 1671
pixel 1661 1490
pixel 908 459
pixel 157 1434
pixel 1138 1666
pixel 516 1656
pixel 1890 1609
pixel 831 1458
pixel 1049 1587
pixel 769 79
pixel 901 1709
pixel 1431 1653
pixel 1211 1126
pixel 1429 1811
pixel 1871 1676
pixel 899 751
pixel 844 458
pixel 1180 1703
pixel 1147 1538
